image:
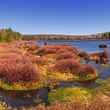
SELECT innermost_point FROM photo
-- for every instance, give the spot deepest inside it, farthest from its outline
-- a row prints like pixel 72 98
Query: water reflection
pixel 28 98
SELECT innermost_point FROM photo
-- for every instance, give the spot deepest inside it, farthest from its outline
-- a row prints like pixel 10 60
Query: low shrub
pixel 66 55
pixel 17 68
pixel 86 69
pixel 16 72
pixel 44 50
pixel 40 60
pixel 53 49
pixel 66 65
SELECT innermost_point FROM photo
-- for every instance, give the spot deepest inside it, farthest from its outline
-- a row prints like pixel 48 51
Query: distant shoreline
pixel 74 40
pixel 67 37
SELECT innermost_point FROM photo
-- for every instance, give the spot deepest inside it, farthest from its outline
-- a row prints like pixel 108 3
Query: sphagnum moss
pixel 69 94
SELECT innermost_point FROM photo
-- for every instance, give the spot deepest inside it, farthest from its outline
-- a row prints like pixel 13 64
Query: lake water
pixel 89 46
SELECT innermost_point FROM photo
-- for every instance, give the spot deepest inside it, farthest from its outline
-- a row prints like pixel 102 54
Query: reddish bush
pixel 67 48
pixel 14 72
pixel 30 45
pixel 10 55
pixel 62 50
pixel 17 68
pixel 67 65
pixel 70 48
pixel 33 47
pixel 36 59
pixel 66 55
pixel 44 50
pixel 41 60
pixel 86 69
pixel 53 49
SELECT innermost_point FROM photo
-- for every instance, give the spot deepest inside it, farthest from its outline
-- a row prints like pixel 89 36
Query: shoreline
pixel 66 37
pixel 74 40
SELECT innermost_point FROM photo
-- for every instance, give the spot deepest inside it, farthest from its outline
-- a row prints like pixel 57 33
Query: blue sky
pixel 55 16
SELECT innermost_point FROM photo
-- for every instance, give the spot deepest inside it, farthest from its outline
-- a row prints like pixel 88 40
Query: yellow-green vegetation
pixel 71 94
pixel 71 77
pixel 8 35
pixel 22 85
pixel 60 76
pixel 88 77
pixel 81 94
pixel 104 86
pixel 100 82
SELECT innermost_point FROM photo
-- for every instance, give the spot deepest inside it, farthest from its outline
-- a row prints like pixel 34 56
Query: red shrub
pixel 32 47
pixel 62 50
pixel 70 48
pixel 14 72
pixel 41 60
pixel 10 55
pixel 66 55
pixel 36 59
pixel 45 50
pixel 67 65
pixel 86 69
pixel 53 49
pixel 16 68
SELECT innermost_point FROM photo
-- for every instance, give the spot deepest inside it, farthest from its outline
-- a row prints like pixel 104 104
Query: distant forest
pixel 8 35
pixel 100 36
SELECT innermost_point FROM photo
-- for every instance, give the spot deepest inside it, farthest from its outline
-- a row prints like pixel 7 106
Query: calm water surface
pixel 89 46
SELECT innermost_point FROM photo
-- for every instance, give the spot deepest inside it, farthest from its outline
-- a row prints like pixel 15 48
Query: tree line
pixel 8 35
pixel 100 36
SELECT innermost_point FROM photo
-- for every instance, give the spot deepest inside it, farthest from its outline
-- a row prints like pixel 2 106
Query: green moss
pixel 70 77
pixel 104 86
pixel 100 82
pixel 84 78
pixel 71 94
pixel 22 86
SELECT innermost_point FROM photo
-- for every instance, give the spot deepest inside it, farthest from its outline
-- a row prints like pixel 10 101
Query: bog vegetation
pixel 27 66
